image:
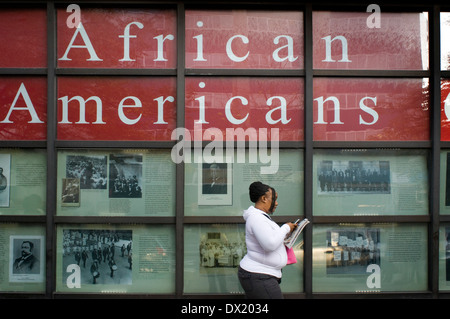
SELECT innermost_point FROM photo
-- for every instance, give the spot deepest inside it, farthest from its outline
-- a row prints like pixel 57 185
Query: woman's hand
pixel 292 226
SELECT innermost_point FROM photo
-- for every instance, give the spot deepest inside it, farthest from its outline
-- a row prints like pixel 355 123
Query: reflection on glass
pixel 353 40
pixel 212 254
pixel 22 258
pixel 369 258
pixel 370 182
pixel 123 259
pixel 115 183
pixel 445 44
pixel 445 110
pixel 241 169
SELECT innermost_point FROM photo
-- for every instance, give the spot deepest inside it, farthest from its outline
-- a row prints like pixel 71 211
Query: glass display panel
pixel 211 258
pixel 370 182
pixel 370 40
pixel 244 39
pixel 444 198
pixel 363 109
pixel 23 181
pixel 116 108
pixel 115 259
pixel 445 110
pixel 115 183
pixel 253 108
pixel 204 197
pixel 22 261
pixel 370 258
pixel 117 38
pixel 445 44
pixel 23 108
pixel 24 38
pixel 444 257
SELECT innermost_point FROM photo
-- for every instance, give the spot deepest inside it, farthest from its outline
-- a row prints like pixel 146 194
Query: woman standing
pixel 260 270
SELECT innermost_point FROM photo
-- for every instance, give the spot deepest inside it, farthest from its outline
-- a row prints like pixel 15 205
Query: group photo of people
pixel 217 252
pixel 354 177
pixel 104 256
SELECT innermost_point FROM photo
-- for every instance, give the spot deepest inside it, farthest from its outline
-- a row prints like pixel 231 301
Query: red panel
pixel 23 35
pixel 445 110
pixel 400 42
pixel 129 108
pixel 371 110
pixel 23 108
pixel 246 32
pixel 105 36
pixel 254 103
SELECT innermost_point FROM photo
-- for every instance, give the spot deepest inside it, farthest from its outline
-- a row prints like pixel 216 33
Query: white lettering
pixel 290 46
pixel 320 115
pixel 374 279
pixel 82 103
pixel 328 42
pixel 122 116
pixel 29 106
pixel 368 110
pixel 88 45
pixel 230 116
pixel 282 108
pixel 126 40
pixel 74 279
pixel 161 39
pixel 230 53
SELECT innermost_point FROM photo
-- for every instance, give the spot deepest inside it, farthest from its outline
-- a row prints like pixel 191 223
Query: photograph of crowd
pixel 104 256
pixel 125 176
pixel 338 176
pixel 90 170
pixel 350 251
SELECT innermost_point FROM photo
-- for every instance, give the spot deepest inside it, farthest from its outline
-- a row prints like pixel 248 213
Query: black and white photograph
pixel 104 256
pixel 5 179
pixel 90 170
pixel 350 251
pixel 217 251
pixel 354 177
pixel 125 176
pixel 26 258
pixel 70 195
pixel 215 184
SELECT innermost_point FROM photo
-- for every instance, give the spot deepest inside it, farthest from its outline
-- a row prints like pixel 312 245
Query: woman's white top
pixel 266 252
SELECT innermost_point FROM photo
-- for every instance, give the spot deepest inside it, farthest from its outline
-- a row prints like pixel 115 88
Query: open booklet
pixel 291 238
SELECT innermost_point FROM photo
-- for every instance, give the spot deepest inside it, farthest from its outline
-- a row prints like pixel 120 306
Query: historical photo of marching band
pixel 104 256
pixel 344 176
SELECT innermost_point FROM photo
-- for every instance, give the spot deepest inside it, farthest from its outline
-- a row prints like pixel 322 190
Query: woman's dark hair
pixel 258 189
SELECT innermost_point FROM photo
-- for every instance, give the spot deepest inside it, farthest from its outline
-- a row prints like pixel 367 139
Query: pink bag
pixel 291 259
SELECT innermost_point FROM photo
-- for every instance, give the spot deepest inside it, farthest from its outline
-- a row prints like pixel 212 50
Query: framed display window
pixel 445 46
pixel 444 257
pixel 23 108
pixel 228 194
pixel 370 182
pixel 444 198
pixel 117 38
pixel 353 40
pixel 370 258
pixel 240 108
pixel 363 109
pixel 115 183
pixel 212 254
pixel 24 37
pixel 23 176
pixel 115 258
pixel 116 108
pixel 22 262
pixel 244 39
